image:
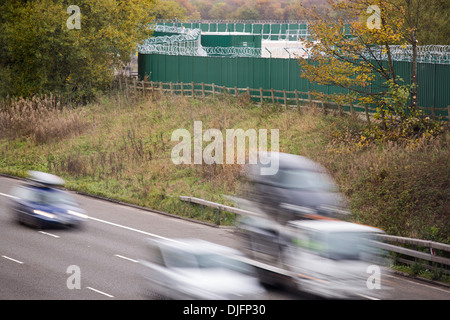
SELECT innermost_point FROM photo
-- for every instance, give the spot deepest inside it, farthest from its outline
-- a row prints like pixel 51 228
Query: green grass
pixel 120 148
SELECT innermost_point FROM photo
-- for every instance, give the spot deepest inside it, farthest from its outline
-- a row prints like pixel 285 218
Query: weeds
pixel 120 147
pixel 40 119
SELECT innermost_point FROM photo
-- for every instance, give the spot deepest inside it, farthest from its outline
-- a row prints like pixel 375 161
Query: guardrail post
pixel 217 211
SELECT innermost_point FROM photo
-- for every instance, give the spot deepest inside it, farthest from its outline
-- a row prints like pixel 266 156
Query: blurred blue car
pixel 40 203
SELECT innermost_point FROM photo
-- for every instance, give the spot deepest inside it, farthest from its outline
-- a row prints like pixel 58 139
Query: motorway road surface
pixel 36 264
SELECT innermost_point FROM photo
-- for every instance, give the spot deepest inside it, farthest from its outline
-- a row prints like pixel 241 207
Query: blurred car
pixel 336 259
pixel 200 270
pixel 40 203
pixel 300 189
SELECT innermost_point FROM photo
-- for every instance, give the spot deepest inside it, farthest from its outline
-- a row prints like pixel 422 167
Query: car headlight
pixel 78 214
pixel 43 213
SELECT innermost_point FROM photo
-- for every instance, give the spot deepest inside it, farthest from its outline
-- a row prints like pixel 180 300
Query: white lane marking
pixel 133 229
pixel 8 195
pixel 115 224
pixel 164 238
pixel 20 262
pixel 125 258
pixel 101 292
pixel 49 234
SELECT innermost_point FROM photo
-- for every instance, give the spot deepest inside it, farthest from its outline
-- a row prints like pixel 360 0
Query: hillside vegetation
pixel 119 146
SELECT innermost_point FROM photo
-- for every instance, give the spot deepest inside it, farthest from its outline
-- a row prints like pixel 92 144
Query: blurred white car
pixel 336 259
pixel 195 269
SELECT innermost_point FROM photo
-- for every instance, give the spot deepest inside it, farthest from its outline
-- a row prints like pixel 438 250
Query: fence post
pixel 309 98
pixel 260 95
pixel 214 90
pixel 448 113
pixel 296 100
pixel 203 89
pixel 235 92
pixel 182 89
pixel 284 96
pixel 193 89
pixel 273 98
pixel 171 88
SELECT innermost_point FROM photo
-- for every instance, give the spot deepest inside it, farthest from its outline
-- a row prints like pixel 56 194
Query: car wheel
pixel 37 224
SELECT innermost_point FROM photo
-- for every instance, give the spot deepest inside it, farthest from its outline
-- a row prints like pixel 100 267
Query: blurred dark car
pixel 300 189
pixel 40 203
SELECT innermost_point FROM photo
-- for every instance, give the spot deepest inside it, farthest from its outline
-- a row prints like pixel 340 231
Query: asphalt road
pixel 40 264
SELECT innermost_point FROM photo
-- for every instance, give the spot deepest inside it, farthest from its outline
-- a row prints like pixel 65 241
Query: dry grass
pixel 120 147
pixel 40 119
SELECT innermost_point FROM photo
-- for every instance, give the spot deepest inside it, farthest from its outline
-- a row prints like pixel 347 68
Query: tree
pixel 169 9
pixel 246 12
pixel 351 47
pixel 40 54
pixel 220 11
pixel 435 26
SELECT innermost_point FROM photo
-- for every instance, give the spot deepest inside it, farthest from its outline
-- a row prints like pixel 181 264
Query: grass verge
pixel 120 147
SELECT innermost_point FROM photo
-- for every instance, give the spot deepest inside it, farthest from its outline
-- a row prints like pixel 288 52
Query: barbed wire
pixel 429 53
pixel 187 41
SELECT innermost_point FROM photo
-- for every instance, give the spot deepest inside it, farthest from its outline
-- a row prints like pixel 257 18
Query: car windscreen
pixel 222 261
pixel 53 197
pixel 347 245
pixel 181 259
pixel 306 180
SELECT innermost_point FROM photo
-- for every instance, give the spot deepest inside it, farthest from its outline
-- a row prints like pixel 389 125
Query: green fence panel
pixel 284 74
pixel 441 88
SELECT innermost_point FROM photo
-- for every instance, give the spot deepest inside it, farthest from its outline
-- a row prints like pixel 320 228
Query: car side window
pixel 179 259
pixel 24 193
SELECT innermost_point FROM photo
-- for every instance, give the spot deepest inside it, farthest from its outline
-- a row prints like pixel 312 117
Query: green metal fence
pixel 283 74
